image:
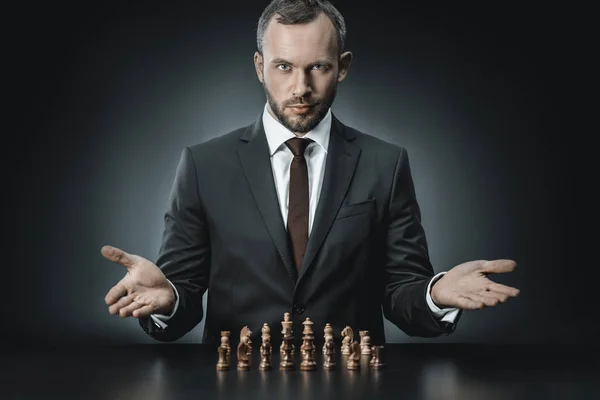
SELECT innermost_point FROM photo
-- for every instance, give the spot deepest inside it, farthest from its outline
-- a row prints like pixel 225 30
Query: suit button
pixel 299 308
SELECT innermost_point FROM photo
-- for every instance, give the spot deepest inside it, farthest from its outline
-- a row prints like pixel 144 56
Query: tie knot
pixel 297 145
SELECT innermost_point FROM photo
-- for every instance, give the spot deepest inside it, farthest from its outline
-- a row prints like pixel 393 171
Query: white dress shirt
pixel 316 156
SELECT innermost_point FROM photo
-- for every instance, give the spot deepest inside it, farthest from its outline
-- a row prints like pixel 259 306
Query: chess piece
pixel 373 355
pixel 225 341
pixel 329 353
pixel 287 344
pixel 328 334
pixel 348 339
pixel 365 343
pixel 287 359
pixel 265 348
pixel 223 363
pixel 354 357
pixel 308 347
pixel 376 359
pixel 244 349
pixel 286 330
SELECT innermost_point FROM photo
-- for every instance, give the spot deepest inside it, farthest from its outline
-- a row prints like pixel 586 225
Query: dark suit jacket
pixel 367 254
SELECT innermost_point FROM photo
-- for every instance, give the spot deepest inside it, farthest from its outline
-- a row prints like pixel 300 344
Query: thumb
pixel 118 256
pixel 498 266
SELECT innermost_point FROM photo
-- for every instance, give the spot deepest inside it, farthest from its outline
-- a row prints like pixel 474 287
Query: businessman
pixel 298 213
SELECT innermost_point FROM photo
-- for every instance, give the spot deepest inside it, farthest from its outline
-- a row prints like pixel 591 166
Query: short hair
pixel 292 12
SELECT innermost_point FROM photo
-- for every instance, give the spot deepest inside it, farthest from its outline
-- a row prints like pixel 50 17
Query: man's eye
pixel 319 66
pixel 283 67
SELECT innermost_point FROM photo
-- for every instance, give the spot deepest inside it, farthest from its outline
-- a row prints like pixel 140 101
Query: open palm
pixel 467 286
pixel 143 291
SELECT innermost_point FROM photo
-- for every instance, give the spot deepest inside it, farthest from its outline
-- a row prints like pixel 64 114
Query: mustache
pixel 300 100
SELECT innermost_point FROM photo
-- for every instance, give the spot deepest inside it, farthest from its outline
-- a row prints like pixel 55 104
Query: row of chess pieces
pixel 351 349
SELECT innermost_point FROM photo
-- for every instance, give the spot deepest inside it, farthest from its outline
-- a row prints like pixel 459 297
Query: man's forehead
pixel 317 37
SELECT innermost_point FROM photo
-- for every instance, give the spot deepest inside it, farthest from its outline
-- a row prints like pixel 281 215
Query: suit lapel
pixel 342 157
pixel 256 163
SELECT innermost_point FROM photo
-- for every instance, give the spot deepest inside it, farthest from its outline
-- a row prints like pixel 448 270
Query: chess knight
pixel 244 349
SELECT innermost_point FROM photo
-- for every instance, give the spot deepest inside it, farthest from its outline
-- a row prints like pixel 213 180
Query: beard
pixel 302 123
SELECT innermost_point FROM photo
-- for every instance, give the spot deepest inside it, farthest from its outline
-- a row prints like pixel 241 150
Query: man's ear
pixel 258 65
pixel 345 60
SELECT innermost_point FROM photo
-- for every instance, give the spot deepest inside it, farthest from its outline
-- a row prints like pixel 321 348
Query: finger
pixel 493 298
pixel 466 303
pixel 144 311
pixel 128 310
pixel 118 256
pixel 115 293
pixel 501 297
pixel 488 301
pixel 122 302
pixel 503 289
pixel 498 266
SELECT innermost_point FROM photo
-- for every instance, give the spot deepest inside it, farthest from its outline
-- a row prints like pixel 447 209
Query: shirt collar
pixel 277 134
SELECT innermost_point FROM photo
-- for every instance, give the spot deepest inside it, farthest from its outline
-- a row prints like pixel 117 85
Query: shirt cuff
pixel 161 319
pixel 446 314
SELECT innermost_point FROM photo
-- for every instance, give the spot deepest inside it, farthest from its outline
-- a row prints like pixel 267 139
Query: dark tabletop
pixel 413 371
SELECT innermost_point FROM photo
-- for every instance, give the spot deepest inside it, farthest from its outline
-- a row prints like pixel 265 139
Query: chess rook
pixel 365 343
pixel 376 358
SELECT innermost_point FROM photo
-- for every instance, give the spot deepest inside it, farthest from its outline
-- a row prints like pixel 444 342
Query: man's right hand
pixel 143 291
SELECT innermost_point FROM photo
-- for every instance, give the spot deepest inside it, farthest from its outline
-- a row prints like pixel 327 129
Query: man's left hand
pixel 467 286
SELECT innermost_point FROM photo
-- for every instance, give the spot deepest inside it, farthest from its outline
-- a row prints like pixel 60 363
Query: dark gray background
pixel 108 94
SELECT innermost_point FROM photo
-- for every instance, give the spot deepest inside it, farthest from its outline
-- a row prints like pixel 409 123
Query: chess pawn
pixel 365 343
pixel 376 360
pixel 225 341
pixel 328 334
pixel 353 362
pixel 329 354
pixel 373 355
pixel 348 339
pixel 223 363
pixel 345 346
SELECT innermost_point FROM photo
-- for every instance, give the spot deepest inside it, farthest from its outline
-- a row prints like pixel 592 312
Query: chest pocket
pixel 364 207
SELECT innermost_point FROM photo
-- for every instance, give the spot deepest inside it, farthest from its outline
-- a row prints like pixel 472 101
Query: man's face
pixel 299 70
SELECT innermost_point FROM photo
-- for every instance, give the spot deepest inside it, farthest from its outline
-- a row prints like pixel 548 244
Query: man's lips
pixel 300 108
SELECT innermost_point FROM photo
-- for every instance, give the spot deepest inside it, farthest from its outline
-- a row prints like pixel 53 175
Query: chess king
pixel 297 212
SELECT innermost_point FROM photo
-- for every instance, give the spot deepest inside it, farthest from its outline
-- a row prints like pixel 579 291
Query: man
pixel 297 213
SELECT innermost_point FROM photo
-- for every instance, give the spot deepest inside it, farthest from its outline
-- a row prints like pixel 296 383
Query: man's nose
pixel 302 84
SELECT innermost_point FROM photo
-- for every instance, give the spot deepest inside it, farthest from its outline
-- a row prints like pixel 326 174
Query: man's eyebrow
pixel 279 60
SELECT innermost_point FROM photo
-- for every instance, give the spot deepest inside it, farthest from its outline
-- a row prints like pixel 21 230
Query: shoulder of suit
pixel 372 144
pixel 223 142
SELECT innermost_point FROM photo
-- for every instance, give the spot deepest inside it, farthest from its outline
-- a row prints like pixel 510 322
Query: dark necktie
pixel 297 220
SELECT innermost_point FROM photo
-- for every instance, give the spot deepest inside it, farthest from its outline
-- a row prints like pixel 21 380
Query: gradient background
pixel 108 94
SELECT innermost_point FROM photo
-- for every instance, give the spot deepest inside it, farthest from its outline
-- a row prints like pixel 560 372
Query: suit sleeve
pixel 184 255
pixel 408 269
